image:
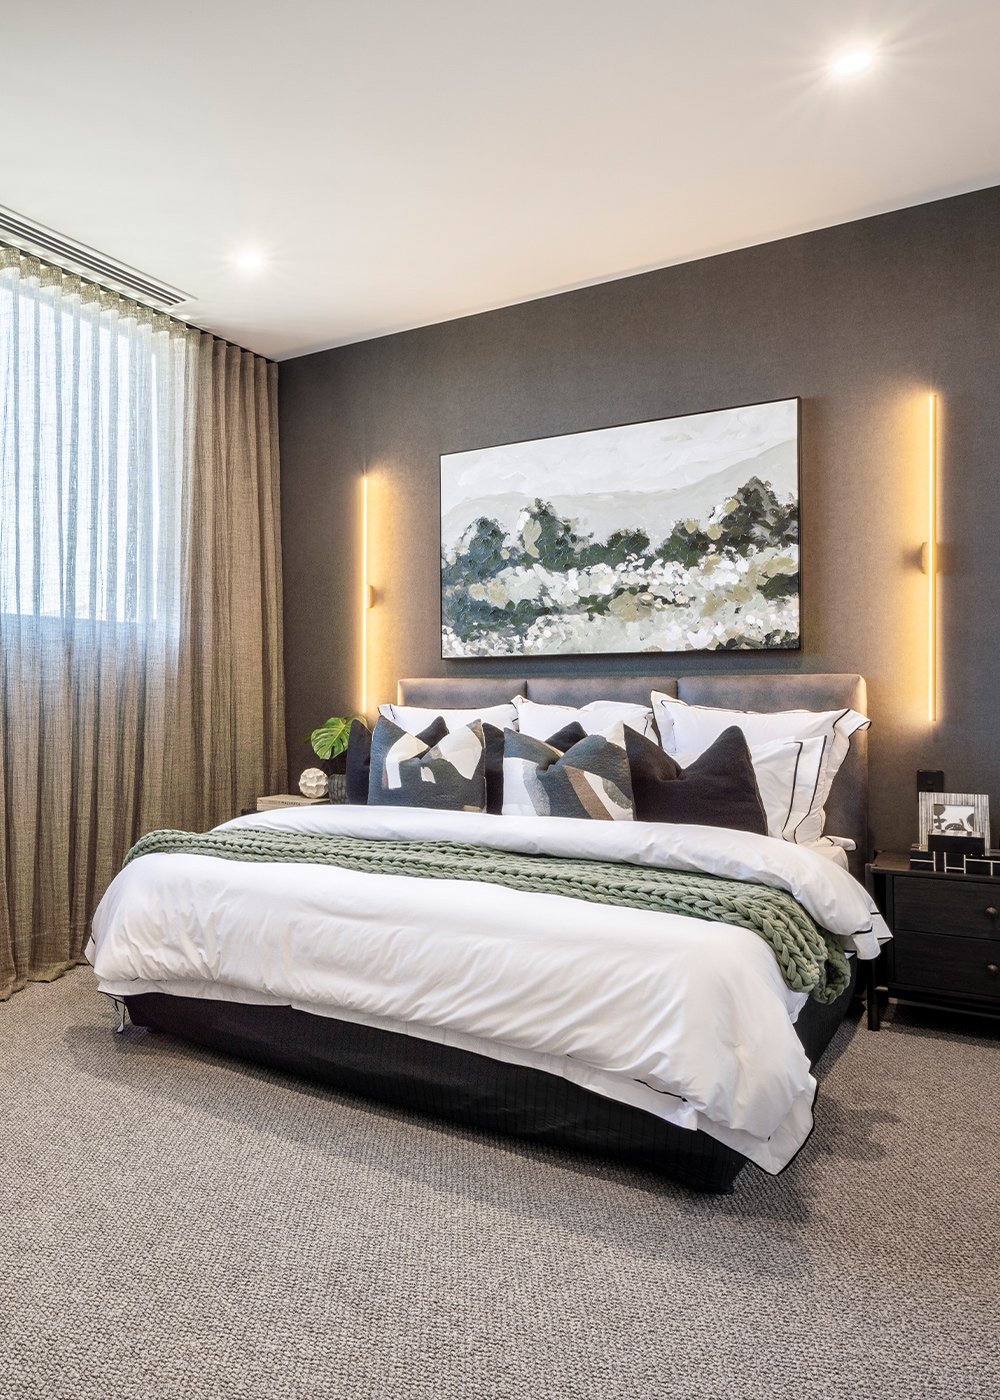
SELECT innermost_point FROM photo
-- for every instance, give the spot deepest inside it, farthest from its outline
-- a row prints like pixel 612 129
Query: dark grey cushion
pixel 718 789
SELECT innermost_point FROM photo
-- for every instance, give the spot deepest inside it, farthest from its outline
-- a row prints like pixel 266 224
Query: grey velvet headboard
pixel 847 806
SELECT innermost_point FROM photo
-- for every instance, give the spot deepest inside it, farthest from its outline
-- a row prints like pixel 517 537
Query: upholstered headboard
pixel 847 807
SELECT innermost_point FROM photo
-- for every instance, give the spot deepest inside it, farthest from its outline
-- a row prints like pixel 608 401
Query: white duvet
pixel 685 1019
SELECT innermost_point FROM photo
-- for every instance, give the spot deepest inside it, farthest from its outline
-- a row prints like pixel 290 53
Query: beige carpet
pixel 181 1226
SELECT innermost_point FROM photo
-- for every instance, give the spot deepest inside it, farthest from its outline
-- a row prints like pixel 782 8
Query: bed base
pixel 464 1088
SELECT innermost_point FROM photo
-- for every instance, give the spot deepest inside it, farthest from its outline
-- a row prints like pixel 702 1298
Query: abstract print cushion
pixel 718 789
pixel 449 776
pixel 359 756
pixel 591 779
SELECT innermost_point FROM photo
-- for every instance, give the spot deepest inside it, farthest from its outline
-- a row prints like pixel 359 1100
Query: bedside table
pixel 945 948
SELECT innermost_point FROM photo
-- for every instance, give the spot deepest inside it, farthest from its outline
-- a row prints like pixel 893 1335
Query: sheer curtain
pixel 140 596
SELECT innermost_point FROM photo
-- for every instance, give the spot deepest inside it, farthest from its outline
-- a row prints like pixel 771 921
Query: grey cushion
pixel 718 789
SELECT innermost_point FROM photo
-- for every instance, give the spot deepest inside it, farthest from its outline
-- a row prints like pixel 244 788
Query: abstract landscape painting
pixel 676 535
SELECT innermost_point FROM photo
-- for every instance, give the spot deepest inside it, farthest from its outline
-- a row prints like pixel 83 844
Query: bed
pixel 476 1003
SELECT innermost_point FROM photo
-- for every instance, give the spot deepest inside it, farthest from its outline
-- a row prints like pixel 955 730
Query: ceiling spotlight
pixel 851 62
pixel 249 260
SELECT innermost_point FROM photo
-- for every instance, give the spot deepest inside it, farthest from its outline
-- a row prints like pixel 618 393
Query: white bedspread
pixel 685 1019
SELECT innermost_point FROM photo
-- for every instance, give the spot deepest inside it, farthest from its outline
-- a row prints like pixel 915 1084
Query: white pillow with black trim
pixel 597 717
pixel 449 776
pixel 824 736
pixel 413 718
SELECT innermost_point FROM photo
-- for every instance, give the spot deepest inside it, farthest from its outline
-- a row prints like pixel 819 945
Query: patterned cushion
pixel 359 756
pixel 406 772
pixel 591 779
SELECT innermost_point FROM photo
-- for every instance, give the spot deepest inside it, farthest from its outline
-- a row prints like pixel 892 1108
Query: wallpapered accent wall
pixel 859 320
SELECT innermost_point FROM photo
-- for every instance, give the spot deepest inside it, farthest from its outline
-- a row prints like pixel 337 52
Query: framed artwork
pixel 677 535
pixel 953 814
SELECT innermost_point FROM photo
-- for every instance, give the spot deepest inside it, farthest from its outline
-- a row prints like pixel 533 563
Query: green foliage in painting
pixel 734 574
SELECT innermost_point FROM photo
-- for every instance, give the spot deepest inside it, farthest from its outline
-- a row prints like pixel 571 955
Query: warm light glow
pixel 365 594
pixel 851 62
pixel 249 260
pixel 932 557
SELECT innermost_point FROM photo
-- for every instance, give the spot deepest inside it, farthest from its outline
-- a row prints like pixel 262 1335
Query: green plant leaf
pixel 330 739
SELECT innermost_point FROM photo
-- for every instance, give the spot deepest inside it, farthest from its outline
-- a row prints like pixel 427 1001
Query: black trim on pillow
pixel 812 799
pixel 791 793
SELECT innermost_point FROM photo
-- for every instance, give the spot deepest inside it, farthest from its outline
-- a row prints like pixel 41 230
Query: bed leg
pixel 871 996
pixel 121 1011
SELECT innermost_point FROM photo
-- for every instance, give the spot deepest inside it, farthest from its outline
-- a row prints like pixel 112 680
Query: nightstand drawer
pixel 937 905
pixel 955 965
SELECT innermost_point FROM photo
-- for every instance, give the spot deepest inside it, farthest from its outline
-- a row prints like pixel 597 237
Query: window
pixel 92 466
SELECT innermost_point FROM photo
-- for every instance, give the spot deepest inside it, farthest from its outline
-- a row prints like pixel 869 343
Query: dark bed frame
pixel 478 1091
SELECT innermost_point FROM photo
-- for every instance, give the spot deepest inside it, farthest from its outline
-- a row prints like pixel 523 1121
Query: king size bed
pixel 524 974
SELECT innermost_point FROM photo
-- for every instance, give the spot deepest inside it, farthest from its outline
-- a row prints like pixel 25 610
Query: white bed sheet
pixel 685 1019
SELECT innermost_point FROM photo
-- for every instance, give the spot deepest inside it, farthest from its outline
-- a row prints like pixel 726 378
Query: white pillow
pixel 542 721
pixel 414 718
pixel 692 728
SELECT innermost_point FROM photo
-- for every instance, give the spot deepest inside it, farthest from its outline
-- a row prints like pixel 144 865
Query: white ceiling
pixel 407 161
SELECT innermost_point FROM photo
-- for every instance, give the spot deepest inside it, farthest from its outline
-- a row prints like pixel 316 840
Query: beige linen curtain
pixel 140 596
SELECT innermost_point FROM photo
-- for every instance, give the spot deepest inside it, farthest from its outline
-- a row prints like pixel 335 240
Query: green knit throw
pixel 810 959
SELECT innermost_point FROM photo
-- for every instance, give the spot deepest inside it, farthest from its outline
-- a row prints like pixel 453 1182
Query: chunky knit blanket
pixel 810 958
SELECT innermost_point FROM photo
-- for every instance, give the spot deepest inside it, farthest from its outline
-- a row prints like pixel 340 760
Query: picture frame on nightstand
pixel 963 814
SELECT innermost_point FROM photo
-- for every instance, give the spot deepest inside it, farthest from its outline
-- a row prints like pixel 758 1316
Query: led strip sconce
pixel 931 557
pixel 366 594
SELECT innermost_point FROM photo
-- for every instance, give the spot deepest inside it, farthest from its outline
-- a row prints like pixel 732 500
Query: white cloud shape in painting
pixel 668 453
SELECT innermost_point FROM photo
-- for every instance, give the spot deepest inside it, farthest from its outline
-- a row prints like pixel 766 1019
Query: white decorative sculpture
pixel 314 783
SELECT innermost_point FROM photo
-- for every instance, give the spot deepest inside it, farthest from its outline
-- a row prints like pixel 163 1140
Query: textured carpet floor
pixel 178 1226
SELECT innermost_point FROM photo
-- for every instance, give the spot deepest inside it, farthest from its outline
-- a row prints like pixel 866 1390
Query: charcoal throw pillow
pixel 449 776
pixel 566 737
pixel 493 738
pixel 591 779
pixel 718 789
pixel 359 756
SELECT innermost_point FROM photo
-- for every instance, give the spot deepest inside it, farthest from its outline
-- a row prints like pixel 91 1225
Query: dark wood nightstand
pixel 945 949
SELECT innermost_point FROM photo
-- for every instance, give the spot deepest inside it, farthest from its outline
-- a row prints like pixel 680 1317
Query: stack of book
pixel 287 799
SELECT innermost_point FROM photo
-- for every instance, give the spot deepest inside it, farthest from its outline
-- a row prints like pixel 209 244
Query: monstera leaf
pixel 330 739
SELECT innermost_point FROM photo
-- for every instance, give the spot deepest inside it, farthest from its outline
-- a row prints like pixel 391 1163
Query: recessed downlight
pixel 249 261
pixel 852 62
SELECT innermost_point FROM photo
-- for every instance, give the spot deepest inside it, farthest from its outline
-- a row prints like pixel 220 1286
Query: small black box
pixel 956 845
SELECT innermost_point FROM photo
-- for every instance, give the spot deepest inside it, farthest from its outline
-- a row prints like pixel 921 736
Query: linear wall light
pixel 366 594
pixel 930 553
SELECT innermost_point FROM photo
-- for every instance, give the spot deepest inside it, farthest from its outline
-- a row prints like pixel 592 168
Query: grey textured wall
pixel 860 320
